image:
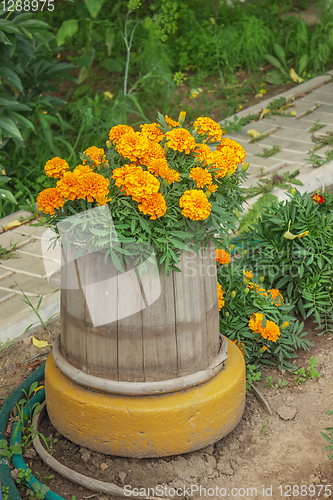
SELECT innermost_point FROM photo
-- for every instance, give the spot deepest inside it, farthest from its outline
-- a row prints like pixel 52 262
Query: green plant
pixel 269 380
pixel 301 375
pixel 6 345
pixel 5 492
pixel 292 246
pixel 280 62
pixel 270 152
pixel 283 181
pixel 329 437
pixel 317 126
pixel 8 253
pixel 252 375
pixel 23 477
pixel 264 425
pixel 35 310
pixel 40 490
pixel 282 383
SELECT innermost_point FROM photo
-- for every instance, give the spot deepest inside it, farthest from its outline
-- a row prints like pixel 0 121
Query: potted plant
pixel 139 302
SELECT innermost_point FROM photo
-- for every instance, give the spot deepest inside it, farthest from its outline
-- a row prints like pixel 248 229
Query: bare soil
pixel 265 455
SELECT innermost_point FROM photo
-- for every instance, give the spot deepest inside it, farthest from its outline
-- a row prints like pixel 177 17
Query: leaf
pixel 94 6
pixel 67 30
pixel 280 53
pixel 40 343
pixel 9 127
pixel 295 76
pixel 11 78
pixel 253 133
pixel 276 63
pixel 82 75
pixel 4 193
pixel 303 63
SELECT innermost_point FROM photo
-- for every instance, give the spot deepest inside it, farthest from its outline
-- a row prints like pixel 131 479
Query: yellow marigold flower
pixel 68 186
pixel 152 132
pixel 92 186
pixel 154 205
pixel 56 167
pixel 180 139
pixel 239 152
pixel 132 146
pixel 285 324
pixel 96 155
pixel 201 176
pixel 239 345
pixel 277 298
pixel 102 199
pixel 248 275
pixel 195 205
pixel 170 122
pixel 220 295
pixel 118 131
pixel 141 184
pixel 211 189
pixel 222 256
pixel 204 152
pixel 205 124
pixel 81 169
pixel 255 323
pixel 271 331
pixel 49 199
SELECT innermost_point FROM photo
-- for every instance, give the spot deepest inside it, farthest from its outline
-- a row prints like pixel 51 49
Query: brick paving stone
pixel 36 231
pixel 326 108
pixel 284 144
pixel 323 131
pixel 10 237
pixel 271 163
pixel 319 97
pixel 322 151
pixel 293 157
pixel 291 168
pixel 5 295
pixel 319 116
pixel 302 106
pixel 328 88
pixel 25 264
pixel 38 286
pixel 284 133
pixel 290 123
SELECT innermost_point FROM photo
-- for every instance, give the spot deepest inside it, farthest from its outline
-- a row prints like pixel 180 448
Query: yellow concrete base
pixel 148 426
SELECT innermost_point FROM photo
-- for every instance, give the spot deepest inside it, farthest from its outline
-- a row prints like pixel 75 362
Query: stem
pixel 128 45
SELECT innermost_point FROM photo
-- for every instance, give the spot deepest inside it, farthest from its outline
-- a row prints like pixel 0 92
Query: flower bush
pixel 291 246
pixel 164 186
pixel 257 319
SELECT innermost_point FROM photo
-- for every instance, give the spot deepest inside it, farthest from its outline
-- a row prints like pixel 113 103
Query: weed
pixel 317 126
pixel 40 490
pixel 266 185
pixel 23 477
pixel 282 383
pixel 301 375
pixel 5 492
pixel 269 380
pixel 6 345
pixel 317 161
pixel 8 253
pixel 35 310
pixel 263 427
pixel 270 152
pixel 328 437
pixel 259 138
pixel 252 375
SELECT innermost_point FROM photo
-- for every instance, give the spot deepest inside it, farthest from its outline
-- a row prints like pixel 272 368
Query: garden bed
pixel 281 449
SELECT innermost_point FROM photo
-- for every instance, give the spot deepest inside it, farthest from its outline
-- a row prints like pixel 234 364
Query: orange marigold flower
pixel 154 205
pixel 140 184
pixel 248 275
pixel 223 161
pixel 68 186
pixel 154 152
pixel 152 131
pixel 102 199
pixel 222 256
pixel 119 174
pixel 220 295
pixel 318 197
pixel 92 186
pixel 204 124
pixel 56 167
pixel 81 169
pixel 170 122
pixel 195 205
pixel 204 152
pixel 162 169
pixel 277 298
pixel 132 146
pixel 212 188
pixel 96 155
pixel 49 199
pixel 239 345
pixel 239 152
pixel 118 131
pixel 201 176
pixel 180 139
pixel 271 331
pixel 255 323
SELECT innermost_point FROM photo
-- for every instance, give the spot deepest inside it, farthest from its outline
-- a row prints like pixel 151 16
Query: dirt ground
pixel 278 455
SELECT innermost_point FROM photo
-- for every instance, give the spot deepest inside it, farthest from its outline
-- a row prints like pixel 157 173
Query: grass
pixel 270 152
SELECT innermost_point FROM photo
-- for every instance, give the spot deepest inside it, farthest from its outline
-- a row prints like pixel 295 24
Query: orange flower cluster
pixel 96 156
pixel 318 198
pixel 117 132
pixel 152 131
pixel 222 256
pixel 180 139
pixel 271 331
pixel 56 167
pixel 201 176
pixel 195 205
pixel 220 295
pixel 204 124
pixel 239 345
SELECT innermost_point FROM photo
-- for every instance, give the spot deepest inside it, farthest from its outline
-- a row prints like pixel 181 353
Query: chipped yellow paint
pixel 148 426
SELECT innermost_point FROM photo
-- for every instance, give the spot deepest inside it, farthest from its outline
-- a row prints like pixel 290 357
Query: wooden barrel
pixel 176 335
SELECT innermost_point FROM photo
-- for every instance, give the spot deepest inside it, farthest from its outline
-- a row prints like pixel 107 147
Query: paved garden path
pixel 313 105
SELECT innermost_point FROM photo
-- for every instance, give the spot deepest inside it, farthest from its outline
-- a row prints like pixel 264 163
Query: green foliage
pixel 302 375
pixel 282 383
pixel 40 490
pixel 242 300
pixel 269 380
pixel 23 477
pixel 283 181
pixel 292 246
pixel 252 375
pixel 5 492
pixel 329 437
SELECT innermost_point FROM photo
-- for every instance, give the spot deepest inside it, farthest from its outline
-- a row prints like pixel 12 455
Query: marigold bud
pixel 227 314
pixel 181 118
pixel 293 191
pixel 108 144
pixel 261 279
pixel 285 324
pixel 245 252
pixel 245 166
pixel 232 247
pixel 233 294
pixel 246 291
